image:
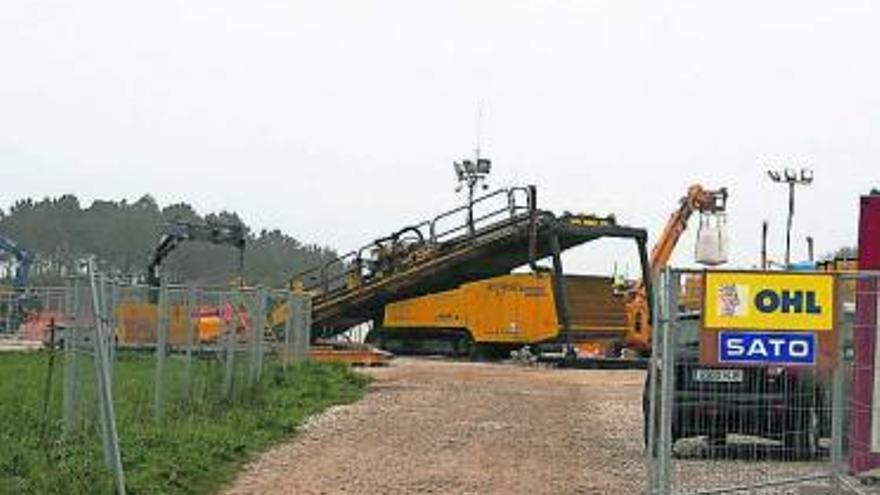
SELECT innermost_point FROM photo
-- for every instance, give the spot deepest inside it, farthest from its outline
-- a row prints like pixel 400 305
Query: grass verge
pixel 197 444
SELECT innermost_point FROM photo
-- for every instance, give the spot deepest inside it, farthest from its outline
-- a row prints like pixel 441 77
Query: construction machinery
pixel 17 303
pixel 472 244
pixel 138 320
pixel 137 323
pixel 708 203
pixel 510 311
pixel 492 317
pixel 178 232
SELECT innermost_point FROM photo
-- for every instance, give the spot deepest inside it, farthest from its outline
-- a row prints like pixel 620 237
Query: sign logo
pixel 768 301
pixel 767 347
pixel 788 301
pixel 731 299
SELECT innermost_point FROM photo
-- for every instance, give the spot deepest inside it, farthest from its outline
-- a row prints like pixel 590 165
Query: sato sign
pixel 768 301
pixel 782 348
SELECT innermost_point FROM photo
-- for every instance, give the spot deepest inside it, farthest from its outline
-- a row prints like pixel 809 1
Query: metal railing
pixel 365 263
pixel 511 208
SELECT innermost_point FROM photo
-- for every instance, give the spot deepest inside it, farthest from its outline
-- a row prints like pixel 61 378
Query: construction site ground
pixel 436 426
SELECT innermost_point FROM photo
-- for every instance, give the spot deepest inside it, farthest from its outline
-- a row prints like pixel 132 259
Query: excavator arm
pixel 178 232
pixel 24 259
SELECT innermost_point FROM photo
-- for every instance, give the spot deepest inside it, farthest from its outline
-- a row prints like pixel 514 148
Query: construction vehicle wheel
pixel 464 346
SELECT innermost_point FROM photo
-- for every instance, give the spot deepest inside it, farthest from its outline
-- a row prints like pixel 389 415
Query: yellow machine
pixel 505 312
pixel 510 311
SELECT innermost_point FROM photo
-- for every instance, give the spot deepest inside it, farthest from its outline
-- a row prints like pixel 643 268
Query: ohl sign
pixel 769 301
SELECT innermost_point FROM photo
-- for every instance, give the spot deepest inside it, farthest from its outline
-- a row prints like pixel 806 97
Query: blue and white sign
pixel 767 347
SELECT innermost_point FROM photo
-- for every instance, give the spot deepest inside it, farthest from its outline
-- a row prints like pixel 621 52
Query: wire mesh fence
pixel 18 309
pixel 123 356
pixel 719 424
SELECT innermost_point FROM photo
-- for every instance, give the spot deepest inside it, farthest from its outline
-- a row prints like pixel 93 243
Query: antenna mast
pixel 471 173
pixel 479 132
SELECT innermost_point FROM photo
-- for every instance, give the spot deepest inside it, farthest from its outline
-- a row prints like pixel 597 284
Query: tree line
pixel 61 232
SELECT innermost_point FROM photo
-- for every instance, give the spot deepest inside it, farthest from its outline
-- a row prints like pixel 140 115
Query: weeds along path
pixel 444 427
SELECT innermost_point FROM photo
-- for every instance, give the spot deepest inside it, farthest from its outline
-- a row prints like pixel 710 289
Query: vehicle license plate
pixel 718 376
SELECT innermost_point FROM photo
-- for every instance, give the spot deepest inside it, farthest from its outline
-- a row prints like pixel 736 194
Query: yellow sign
pixel 591 221
pixel 768 301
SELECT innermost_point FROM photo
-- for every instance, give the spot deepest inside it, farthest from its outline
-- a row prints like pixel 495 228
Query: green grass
pixel 195 446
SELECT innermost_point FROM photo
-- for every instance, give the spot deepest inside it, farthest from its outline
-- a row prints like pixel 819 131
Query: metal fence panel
pixel 101 343
pixel 727 428
pixel 188 348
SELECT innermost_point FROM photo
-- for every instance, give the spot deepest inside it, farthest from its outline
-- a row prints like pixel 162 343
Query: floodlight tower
pixel 793 178
pixel 472 174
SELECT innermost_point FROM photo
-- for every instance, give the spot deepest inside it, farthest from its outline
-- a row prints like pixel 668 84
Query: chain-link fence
pixel 121 356
pixel 19 310
pixel 739 410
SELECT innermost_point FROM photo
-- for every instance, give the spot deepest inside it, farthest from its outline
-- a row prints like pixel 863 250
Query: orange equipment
pixel 698 199
pixel 348 353
pixel 137 323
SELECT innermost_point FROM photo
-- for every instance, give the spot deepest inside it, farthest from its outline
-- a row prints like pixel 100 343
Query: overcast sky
pixel 338 121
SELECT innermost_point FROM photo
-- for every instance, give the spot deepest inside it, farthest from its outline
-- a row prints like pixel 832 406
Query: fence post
pixel 307 327
pixel 838 403
pixel 161 343
pixel 114 320
pixel 105 394
pixel 259 322
pixel 70 335
pixel 98 341
pixel 256 312
pixel 192 322
pixel 106 316
pixel 288 338
pixel 9 309
pixel 667 386
pixel 252 333
pixel 229 334
pixel 302 322
pixel 653 406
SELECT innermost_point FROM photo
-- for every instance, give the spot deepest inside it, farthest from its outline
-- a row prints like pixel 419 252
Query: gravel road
pixel 440 427
pixel 446 427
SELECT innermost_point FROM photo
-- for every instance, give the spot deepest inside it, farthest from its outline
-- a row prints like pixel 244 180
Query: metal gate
pixel 748 410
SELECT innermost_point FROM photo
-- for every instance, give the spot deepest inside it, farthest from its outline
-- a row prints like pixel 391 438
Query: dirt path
pixel 466 428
